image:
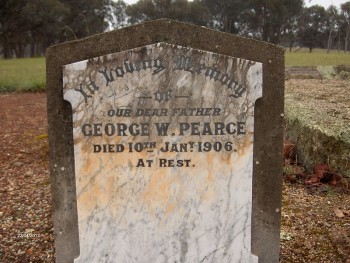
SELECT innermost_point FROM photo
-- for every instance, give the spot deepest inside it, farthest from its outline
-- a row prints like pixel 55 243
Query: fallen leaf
pixel 288 149
pixel 346 212
pixel 312 180
pixel 29 251
pixel 338 213
pixel 334 182
pixel 320 169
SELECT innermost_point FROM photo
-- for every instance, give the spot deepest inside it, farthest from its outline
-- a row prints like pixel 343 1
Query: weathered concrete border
pixel 268 123
pixel 318 72
pixel 315 146
pixel 319 136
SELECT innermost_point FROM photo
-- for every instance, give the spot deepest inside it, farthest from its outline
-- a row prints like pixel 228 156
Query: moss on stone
pixel 317 120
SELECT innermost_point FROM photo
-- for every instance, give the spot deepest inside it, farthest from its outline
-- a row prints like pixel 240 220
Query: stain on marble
pixel 163 146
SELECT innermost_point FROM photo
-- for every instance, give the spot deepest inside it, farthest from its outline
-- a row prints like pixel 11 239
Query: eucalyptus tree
pixel 345 8
pixel 312 26
pixel 195 12
pixel 227 15
pixel 13 27
pixel 85 17
pixel 155 9
pixel 32 23
pixel 44 24
pixel 116 15
pixel 332 23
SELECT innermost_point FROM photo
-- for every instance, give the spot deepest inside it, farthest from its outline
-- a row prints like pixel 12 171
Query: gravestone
pixel 166 146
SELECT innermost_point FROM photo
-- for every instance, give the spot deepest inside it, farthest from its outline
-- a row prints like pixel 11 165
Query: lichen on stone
pixel 318 121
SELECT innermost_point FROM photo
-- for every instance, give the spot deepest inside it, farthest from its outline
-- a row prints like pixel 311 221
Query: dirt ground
pixel 315 220
pixel 26 231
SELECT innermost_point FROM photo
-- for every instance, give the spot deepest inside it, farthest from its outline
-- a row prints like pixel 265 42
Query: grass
pixel 28 74
pixel 25 74
pixel 318 57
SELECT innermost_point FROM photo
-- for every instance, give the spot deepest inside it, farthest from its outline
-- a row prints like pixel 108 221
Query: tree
pixel 192 12
pixel 44 19
pixel 198 14
pixel 289 18
pixel 331 22
pixel 312 26
pixel 226 14
pixel 345 8
pixel 40 23
pixel 13 27
pixel 85 17
pixel 272 18
pixel 117 14
pixel 155 9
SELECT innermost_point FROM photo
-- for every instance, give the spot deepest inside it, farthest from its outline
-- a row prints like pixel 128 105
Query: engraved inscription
pixel 163 145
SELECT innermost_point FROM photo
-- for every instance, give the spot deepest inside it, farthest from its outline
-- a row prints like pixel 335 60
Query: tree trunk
pixel 21 50
pixel 7 51
pixel 345 44
pixel 32 49
pixel 347 38
pixel 291 45
pixel 329 43
pixel 226 24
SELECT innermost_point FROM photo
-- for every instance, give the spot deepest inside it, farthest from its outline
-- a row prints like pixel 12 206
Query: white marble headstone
pixel 163 145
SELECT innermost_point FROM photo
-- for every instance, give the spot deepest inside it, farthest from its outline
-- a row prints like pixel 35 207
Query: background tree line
pixel 28 27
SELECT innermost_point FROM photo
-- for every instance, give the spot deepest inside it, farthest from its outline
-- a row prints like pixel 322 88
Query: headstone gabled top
pixel 169 148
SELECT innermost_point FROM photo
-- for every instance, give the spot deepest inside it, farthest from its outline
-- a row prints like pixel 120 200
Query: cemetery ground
pixel 315 217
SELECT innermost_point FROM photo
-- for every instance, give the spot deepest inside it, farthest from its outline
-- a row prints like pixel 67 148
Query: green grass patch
pixel 24 74
pixel 318 57
pixel 28 74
